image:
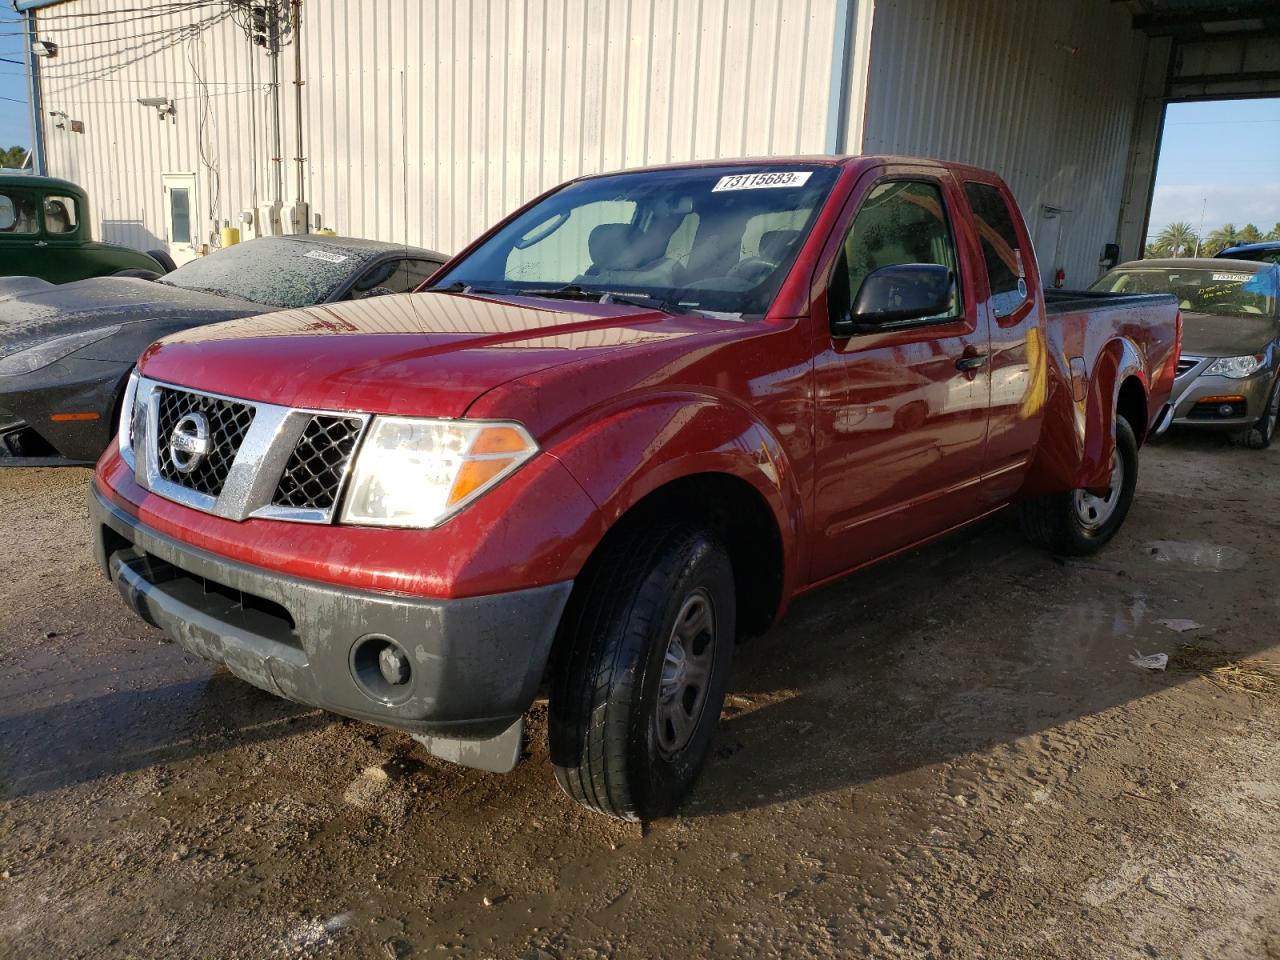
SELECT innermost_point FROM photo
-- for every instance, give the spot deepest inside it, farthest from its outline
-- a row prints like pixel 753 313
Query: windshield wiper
pixel 573 291
pixel 464 288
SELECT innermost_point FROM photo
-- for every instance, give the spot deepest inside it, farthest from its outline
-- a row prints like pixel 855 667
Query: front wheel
pixel 1260 435
pixel 1078 523
pixel 640 678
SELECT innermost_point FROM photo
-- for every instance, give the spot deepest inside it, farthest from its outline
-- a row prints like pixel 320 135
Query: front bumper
pixel 84 390
pixel 474 664
pixel 1194 386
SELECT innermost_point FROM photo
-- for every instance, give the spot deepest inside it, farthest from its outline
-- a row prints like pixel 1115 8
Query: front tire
pixel 1260 435
pixel 641 675
pixel 1076 523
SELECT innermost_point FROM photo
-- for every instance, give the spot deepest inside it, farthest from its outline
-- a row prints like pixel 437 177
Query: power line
pixel 156 9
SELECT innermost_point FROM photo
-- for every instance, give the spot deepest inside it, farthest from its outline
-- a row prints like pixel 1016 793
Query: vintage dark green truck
pixel 44 232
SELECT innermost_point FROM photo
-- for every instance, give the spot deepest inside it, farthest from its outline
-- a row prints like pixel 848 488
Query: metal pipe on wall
pixel 35 100
pixel 277 136
pixel 298 158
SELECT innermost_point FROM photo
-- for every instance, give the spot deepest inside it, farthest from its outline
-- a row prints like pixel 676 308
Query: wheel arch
pixel 738 515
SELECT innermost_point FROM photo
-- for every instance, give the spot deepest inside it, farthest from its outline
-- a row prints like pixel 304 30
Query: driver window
pixel 380 275
pixel 900 221
pixel 17 213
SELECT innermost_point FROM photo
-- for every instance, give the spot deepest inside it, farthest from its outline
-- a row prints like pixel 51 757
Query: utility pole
pixel 1200 233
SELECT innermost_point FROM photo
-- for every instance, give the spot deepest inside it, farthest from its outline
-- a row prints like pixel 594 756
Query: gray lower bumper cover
pixel 476 662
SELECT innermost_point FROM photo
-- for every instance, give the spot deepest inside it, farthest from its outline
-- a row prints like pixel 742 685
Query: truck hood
pixel 34 314
pixel 1211 335
pixel 418 354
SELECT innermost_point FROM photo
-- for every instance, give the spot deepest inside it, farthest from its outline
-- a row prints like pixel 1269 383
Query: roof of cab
pixel 40 183
pixel 1198 263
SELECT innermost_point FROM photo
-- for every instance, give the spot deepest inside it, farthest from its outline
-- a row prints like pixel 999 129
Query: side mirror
pixel 1110 256
pixel 899 294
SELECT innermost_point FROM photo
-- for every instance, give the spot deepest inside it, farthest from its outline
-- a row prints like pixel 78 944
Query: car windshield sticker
pixel 1233 277
pixel 326 256
pixel 759 181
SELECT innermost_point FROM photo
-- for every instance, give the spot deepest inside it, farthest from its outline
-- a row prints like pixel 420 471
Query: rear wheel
pixel 641 674
pixel 1260 435
pixel 1077 523
pixel 162 257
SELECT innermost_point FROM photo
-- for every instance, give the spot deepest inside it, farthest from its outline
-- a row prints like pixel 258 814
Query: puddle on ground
pixel 1198 555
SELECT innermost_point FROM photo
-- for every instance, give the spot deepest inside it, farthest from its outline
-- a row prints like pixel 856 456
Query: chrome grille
pixel 1186 363
pixel 229 421
pixel 313 476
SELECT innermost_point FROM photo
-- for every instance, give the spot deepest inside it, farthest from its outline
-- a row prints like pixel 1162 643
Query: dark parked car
pixel 1266 252
pixel 66 351
pixel 44 233
pixel 1229 371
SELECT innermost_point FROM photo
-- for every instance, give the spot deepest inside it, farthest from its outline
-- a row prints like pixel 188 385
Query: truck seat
pixel 621 254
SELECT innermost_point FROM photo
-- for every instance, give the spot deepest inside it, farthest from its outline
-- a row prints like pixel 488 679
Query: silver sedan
pixel 1228 376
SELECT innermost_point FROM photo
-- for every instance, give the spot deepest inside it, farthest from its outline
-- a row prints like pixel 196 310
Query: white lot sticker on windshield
pixel 326 256
pixel 759 181
pixel 1233 277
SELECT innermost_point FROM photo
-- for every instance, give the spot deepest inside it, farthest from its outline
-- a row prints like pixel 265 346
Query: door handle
pixel 41 243
pixel 971 362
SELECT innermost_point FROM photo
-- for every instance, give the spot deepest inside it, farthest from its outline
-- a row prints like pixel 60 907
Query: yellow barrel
pixel 230 236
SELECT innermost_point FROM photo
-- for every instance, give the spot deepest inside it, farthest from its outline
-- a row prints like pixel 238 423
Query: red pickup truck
pixel 622 430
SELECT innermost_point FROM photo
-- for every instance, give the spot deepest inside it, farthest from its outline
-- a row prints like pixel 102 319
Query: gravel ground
pixel 948 756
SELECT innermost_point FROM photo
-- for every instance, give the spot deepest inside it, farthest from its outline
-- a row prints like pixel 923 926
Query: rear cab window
pixel 1000 246
pixel 61 215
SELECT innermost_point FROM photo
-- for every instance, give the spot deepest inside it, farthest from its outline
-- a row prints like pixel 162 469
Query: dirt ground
pixel 948 756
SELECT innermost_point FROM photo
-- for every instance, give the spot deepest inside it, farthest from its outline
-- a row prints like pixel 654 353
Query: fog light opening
pixel 381 669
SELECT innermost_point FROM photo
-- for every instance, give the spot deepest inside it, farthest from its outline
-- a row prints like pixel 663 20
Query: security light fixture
pixel 163 106
pixel 44 48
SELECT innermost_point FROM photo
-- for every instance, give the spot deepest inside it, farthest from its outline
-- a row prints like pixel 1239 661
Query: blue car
pixel 1266 252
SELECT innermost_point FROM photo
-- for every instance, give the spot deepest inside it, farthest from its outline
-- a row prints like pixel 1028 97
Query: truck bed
pixel 1067 301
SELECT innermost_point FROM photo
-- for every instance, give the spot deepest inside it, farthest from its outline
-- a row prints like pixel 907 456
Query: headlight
pixel 124 433
pixel 41 355
pixel 418 473
pixel 1236 367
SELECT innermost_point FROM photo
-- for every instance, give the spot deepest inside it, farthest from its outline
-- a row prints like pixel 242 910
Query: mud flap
pixel 1163 421
pixel 498 754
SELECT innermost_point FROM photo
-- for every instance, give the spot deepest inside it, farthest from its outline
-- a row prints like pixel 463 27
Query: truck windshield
pixel 1222 291
pixel 711 239
pixel 276 272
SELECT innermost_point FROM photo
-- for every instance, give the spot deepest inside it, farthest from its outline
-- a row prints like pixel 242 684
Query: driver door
pixel 901 413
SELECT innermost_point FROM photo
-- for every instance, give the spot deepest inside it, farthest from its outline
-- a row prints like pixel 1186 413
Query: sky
pixel 15 125
pixel 1222 156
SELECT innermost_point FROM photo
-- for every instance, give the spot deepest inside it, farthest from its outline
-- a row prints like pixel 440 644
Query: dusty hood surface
pixel 33 316
pixel 1212 335
pixel 418 354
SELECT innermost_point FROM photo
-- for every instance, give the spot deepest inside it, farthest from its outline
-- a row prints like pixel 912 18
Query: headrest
pixel 776 244
pixel 620 246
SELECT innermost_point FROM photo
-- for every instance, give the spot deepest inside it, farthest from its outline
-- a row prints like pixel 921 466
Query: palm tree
pixel 1250 234
pixel 1175 240
pixel 1225 236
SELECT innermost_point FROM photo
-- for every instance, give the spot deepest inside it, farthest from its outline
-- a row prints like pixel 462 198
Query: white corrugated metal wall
pixel 1044 92
pixel 433 119
pixel 105 62
pixel 425 121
